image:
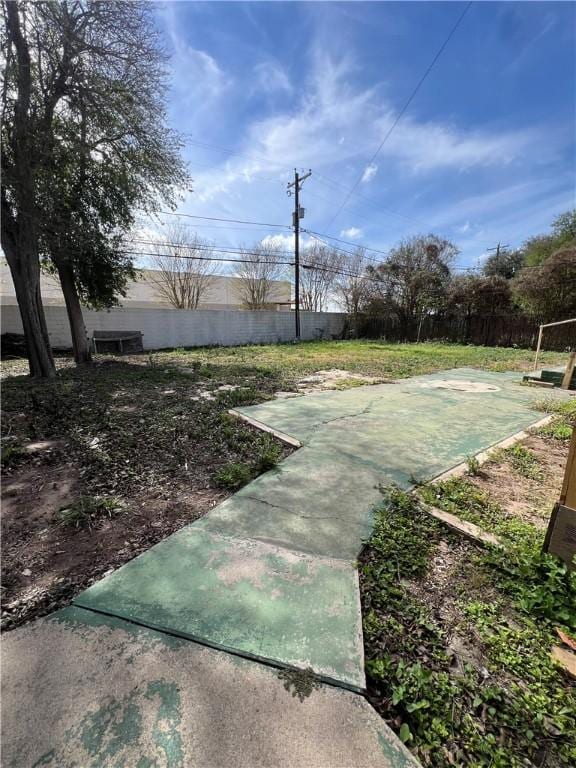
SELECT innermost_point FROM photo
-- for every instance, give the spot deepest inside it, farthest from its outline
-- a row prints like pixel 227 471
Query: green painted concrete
pixel 245 596
pixel 319 499
pixel 84 690
pixel 269 573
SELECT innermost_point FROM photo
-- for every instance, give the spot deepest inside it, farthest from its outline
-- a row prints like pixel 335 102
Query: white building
pixel 143 293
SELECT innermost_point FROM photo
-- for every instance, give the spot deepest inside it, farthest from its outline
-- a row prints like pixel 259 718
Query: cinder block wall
pixel 183 328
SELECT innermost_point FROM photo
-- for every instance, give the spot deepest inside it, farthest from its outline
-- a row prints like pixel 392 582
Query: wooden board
pixel 568 373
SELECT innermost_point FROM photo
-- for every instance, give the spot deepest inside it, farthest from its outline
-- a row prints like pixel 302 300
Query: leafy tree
pixel 503 264
pixel 539 248
pixel 549 290
pixel 85 143
pixel 414 280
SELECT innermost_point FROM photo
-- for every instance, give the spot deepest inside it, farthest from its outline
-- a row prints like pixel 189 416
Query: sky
pixel 484 153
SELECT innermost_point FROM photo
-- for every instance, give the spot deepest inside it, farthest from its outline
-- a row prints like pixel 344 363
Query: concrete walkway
pixel 81 690
pixel 270 573
pixel 267 575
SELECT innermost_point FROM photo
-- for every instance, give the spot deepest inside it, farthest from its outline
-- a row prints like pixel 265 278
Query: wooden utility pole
pixel 296 216
pixel 498 249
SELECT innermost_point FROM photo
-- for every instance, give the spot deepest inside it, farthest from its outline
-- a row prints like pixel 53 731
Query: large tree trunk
pixel 19 230
pixel 25 269
pixel 80 343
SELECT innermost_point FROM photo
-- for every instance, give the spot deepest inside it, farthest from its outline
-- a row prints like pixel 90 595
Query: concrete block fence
pixel 183 328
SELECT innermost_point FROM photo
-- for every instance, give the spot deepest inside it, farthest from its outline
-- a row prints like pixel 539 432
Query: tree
pixel 539 248
pixel 84 144
pixel 257 270
pixel 184 271
pixel 549 290
pixel 320 267
pixel 414 280
pixel 477 295
pixel 352 288
pixel 503 264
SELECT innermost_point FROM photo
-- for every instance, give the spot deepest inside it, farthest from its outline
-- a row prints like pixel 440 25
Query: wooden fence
pixel 489 330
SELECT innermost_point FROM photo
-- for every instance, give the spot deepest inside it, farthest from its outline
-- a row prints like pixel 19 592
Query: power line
pixel 206 247
pixel 345 242
pixel 404 108
pixel 216 218
pixel 377 206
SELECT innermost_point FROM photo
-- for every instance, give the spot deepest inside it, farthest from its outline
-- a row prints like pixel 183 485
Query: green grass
pixel 462 498
pixel 499 707
pixel 561 426
pixel 368 357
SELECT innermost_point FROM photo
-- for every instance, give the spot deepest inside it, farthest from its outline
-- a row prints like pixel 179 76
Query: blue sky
pixel 484 153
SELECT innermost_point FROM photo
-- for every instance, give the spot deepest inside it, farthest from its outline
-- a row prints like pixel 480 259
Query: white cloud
pixel 351 232
pixel 333 110
pixel 271 78
pixel 464 228
pixel 369 172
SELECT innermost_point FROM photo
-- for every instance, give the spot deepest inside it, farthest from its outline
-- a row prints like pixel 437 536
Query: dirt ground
pixel 45 564
pixel 148 441
pixel 529 499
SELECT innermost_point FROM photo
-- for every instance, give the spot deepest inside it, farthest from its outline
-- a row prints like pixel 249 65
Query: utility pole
pixel 296 216
pixel 498 249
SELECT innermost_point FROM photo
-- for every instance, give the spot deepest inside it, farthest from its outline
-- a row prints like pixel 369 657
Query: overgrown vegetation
pixel 463 498
pixel 561 426
pixel 459 663
pixel 524 461
pixel 133 426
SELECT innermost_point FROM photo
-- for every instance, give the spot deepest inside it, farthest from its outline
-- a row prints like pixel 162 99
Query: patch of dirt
pixel 46 563
pixel 450 567
pixel 528 499
pixel 335 378
pixel 130 443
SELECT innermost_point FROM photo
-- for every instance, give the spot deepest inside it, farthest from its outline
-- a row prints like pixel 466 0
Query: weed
pixel 558 429
pixel 565 408
pixel 233 475
pixel 241 396
pixel 524 461
pixel 540 584
pixel 462 498
pixel 268 455
pixel 473 466
pixel 87 510
pixel 469 716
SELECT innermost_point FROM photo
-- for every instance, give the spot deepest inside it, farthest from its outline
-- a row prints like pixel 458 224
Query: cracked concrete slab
pixel 244 596
pixel 82 689
pixel 309 503
pixel 314 511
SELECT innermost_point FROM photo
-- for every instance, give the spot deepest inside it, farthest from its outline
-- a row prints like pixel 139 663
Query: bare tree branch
pixel 181 280
pixel 263 266
pixel 320 267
